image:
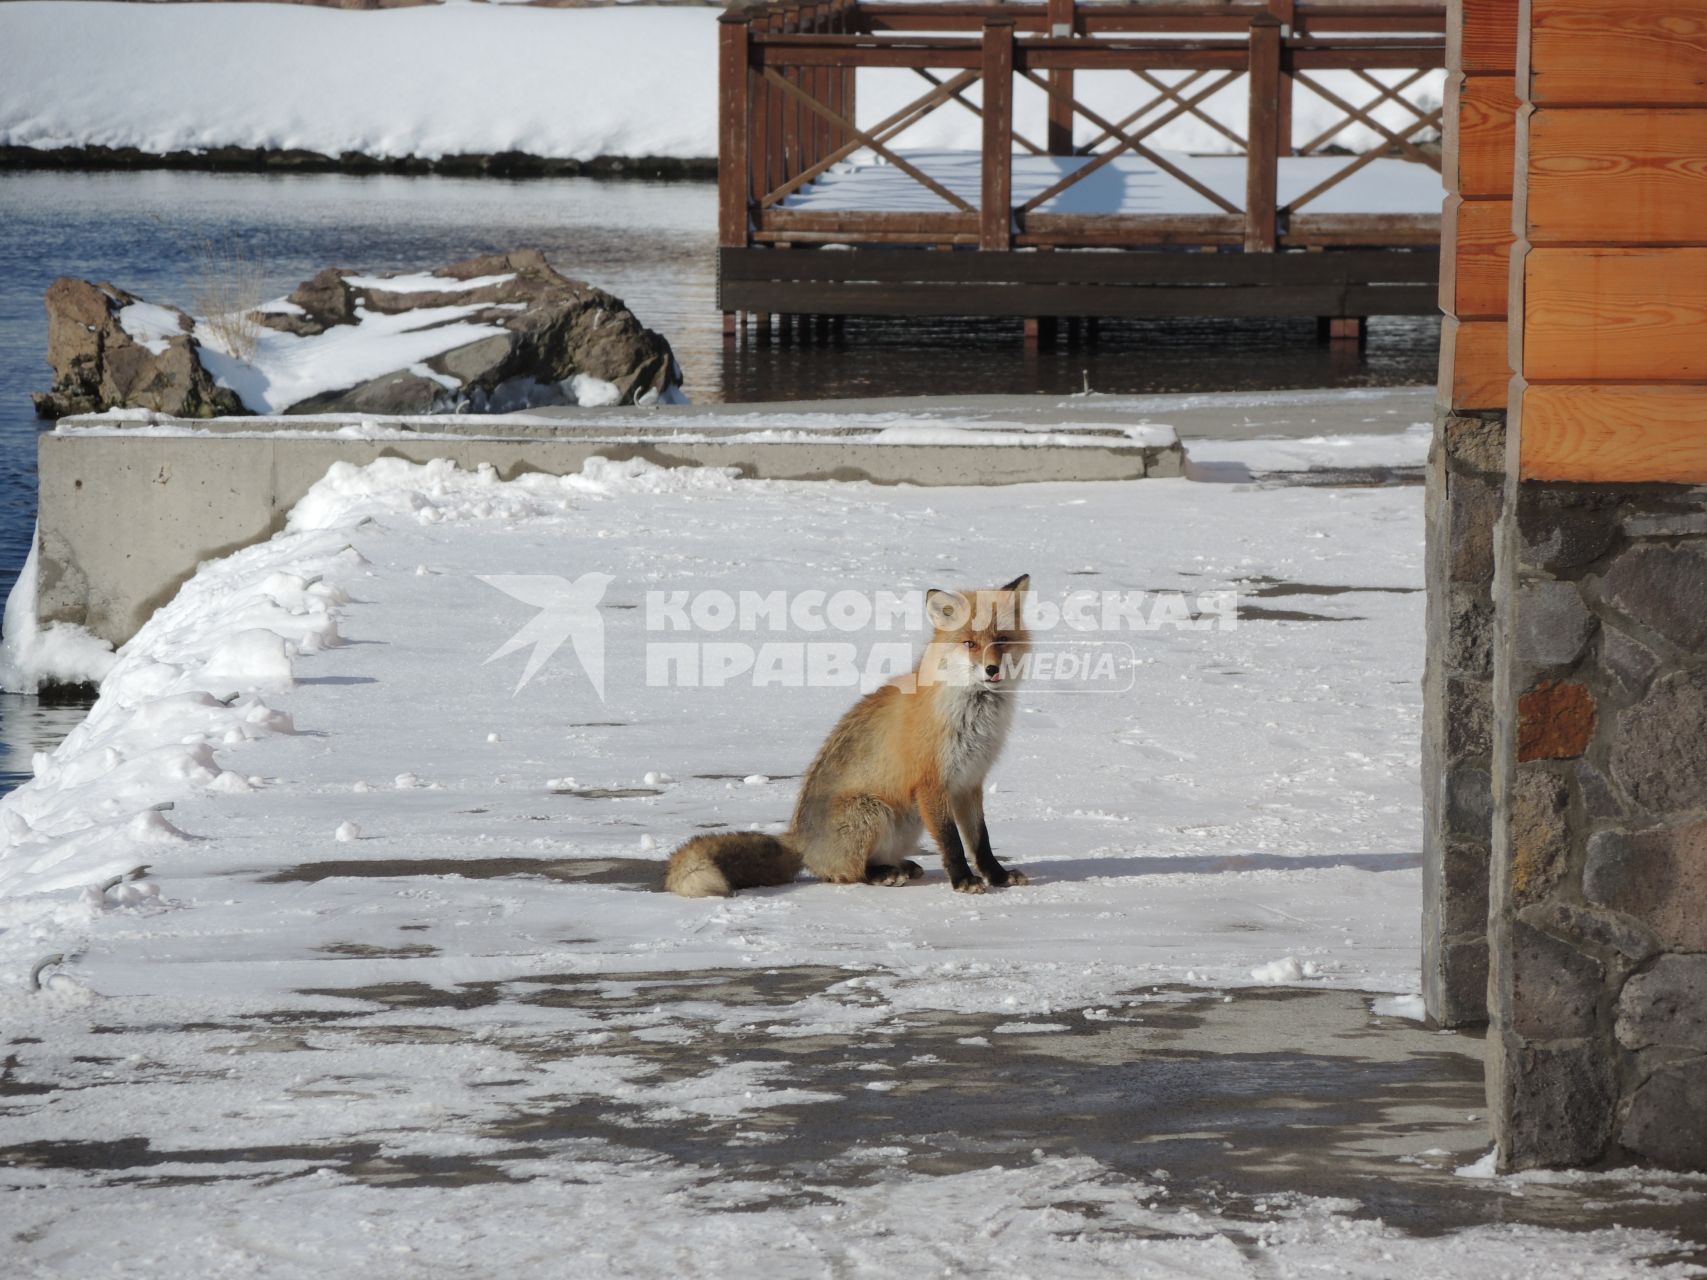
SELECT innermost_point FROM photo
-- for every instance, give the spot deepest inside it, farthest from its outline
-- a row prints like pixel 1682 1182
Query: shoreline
pixel 508 164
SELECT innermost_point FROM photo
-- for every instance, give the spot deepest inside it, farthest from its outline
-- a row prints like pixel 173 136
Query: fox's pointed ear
pixel 1021 583
pixel 947 610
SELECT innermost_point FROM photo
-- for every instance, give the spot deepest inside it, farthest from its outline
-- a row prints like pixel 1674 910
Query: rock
pixel 1553 623
pixel 1555 721
pixel 1667 1121
pixel 534 338
pixel 1554 987
pixel 1475 508
pixel 1659 746
pixel 1557 1103
pixel 100 363
pixel 566 342
pixel 1666 1006
pixel 1659 877
pixel 1540 844
pixel 1665 588
pixel 1564 527
pixel 1627 661
pixel 1476 444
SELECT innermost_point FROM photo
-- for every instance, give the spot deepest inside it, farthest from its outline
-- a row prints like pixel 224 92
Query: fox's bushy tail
pixel 716 866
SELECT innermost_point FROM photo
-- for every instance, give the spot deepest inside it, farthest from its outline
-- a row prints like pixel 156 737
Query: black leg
pixel 988 867
pixel 954 857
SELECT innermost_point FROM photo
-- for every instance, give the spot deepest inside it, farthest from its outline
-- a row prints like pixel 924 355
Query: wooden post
pixel 1063 21
pixel 1262 138
pixel 995 220
pixel 775 172
pixel 733 166
pixel 1283 12
pixel 792 112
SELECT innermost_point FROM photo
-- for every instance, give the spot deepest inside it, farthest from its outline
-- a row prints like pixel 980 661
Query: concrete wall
pixel 125 517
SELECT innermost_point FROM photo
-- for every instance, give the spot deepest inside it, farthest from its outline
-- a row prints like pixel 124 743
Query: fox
pixel 910 756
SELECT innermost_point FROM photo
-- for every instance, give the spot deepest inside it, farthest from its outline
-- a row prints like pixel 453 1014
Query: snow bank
pixel 463 79
pixel 32 655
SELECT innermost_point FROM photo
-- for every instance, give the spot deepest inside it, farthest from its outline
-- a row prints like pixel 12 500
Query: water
pixel 650 243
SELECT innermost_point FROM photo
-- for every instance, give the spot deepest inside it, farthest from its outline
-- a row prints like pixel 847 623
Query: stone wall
pixel 1466 474
pixel 1598 1047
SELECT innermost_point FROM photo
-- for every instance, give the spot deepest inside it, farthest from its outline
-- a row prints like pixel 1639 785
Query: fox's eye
pixel 971 644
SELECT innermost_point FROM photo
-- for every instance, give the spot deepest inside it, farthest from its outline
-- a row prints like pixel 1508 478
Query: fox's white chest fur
pixel 976 722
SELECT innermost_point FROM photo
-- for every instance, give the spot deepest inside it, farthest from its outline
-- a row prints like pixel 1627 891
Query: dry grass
pixel 224 294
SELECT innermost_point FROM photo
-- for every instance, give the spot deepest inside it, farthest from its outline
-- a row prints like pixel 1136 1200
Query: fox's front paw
pixel 914 870
pixel 1016 877
pixel 971 885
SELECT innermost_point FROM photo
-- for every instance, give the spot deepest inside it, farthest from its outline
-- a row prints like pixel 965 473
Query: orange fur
pixel 907 757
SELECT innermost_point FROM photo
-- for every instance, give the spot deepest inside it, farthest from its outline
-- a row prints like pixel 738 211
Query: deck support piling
pixel 1262 141
pixel 1063 22
pixel 995 217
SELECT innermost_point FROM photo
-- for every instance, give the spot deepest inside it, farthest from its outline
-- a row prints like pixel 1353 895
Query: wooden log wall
pixel 1609 271
pixel 1476 221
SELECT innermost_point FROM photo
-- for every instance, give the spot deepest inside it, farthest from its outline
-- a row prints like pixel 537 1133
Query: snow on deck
pixel 1126 185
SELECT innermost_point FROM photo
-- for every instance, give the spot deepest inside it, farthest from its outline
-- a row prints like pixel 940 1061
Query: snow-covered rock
pixel 492 334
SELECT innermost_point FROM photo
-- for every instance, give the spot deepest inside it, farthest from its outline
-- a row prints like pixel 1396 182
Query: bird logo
pixel 567 611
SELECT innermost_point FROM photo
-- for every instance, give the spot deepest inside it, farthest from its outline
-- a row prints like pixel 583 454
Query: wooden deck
pixel 790 128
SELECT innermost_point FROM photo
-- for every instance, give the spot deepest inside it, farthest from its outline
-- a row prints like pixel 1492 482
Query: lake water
pixel 650 243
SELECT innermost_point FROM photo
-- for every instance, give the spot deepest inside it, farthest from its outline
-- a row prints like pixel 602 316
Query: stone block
pixel 1464 869
pixel 1555 721
pixel 1659 745
pixel 1606 933
pixel 1673 524
pixel 1555 1104
pixel 1666 1006
pixel 1540 843
pixel 1667 1121
pixel 1469 640
pixel 1553 624
pixel 1562 528
pixel 1468 715
pixel 1599 799
pixel 1555 989
pixel 1630 663
pixel 1664 588
pixel 1657 876
pixel 1475 444
pixel 1456 990
pixel 1473 506
pixel 1468 806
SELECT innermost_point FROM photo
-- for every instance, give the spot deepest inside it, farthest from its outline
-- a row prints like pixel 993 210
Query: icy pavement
pixel 395 996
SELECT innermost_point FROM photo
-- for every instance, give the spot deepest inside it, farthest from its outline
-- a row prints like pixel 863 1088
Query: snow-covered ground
pixel 466 79
pixel 352 804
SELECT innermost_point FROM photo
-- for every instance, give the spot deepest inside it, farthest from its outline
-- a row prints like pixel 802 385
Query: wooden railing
pixel 788 113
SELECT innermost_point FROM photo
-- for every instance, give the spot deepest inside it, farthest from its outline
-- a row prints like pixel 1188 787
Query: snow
pixel 32 655
pixel 150 324
pixel 285 369
pixel 1410 1006
pixel 1126 185
pixel 483 79
pixel 426 282
pixel 1251 805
